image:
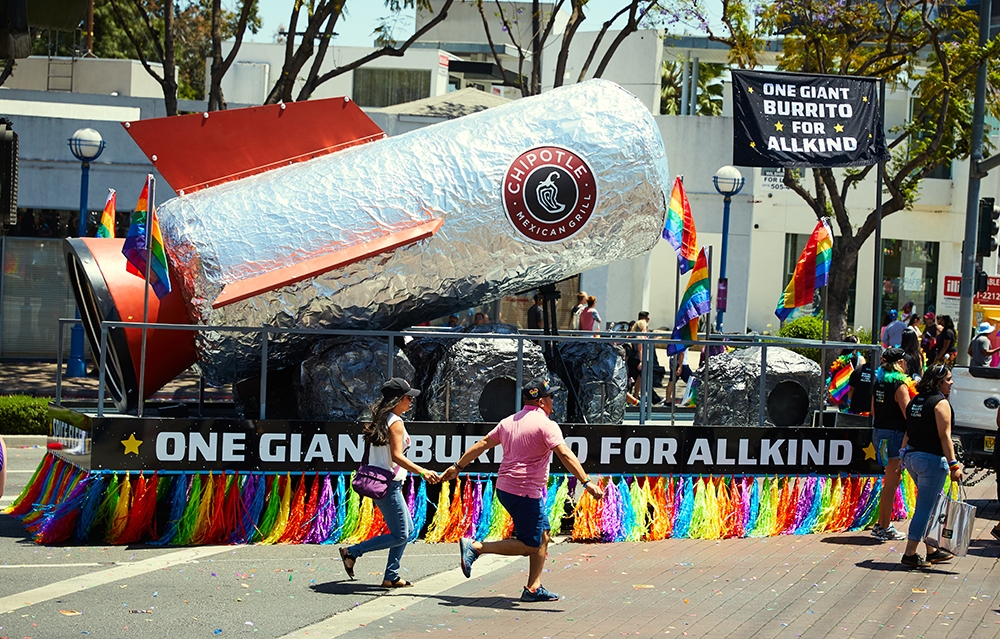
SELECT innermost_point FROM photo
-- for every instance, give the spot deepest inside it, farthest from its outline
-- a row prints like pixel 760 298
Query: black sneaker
pixel 915 561
pixel 939 555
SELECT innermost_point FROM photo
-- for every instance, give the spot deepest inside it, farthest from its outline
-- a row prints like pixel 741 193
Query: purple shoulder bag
pixel 371 481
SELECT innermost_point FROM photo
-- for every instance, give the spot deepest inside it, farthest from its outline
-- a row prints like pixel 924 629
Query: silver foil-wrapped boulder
pixel 596 379
pixel 343 377
pixel 476 381
pixel 729 388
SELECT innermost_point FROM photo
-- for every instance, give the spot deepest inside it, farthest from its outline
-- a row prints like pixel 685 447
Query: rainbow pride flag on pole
pixel 107 225
pixel 696 302
pixel 811 272
pixel 679 228
pixel 135 249
pixel 840 376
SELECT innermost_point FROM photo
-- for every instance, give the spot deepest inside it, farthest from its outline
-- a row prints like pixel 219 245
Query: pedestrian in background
pixel 535 312
pixel 914 359
pixel 929 457
pixel 577 310
pixel 528 439
pixel 928 338
pixel 387 441
pixel 590 320
pixel 890 397
pixel 945 349
pixel 980 349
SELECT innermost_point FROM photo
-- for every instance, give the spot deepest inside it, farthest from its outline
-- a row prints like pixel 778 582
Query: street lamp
pixel 728 182
pixel 86 145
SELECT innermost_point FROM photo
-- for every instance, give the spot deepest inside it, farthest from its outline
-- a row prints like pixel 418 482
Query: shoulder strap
pixel 364 458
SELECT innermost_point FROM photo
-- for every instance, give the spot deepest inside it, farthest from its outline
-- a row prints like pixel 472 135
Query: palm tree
pixel 709 88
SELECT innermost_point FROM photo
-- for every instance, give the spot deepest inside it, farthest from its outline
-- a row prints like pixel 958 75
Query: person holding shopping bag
pixel 387 441
pixel 929 456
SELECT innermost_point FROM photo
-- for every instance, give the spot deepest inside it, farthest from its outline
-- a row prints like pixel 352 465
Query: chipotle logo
pixel 549 193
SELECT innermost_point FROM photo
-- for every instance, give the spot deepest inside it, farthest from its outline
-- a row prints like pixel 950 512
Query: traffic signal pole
pixel 972 200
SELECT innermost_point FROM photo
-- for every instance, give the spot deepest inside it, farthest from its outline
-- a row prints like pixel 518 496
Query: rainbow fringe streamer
pixel 63 501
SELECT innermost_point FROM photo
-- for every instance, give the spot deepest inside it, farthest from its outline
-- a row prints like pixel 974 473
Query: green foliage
pixel 863 334
pixel 23 415
pixel 709 88
pixel 806 327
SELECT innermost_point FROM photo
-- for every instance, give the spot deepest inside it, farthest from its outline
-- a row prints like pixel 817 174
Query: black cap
pixel 891 355
pixel 536 389
pixel 397 387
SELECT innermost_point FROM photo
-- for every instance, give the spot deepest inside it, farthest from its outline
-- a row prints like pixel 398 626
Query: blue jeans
pixel 929 472
pixel 397 517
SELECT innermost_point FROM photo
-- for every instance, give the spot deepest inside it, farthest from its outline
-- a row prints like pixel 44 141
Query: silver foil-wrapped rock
pixel 529 193
pixel 343 377
pixel 596 379
pixel 729 388
pixel 476 381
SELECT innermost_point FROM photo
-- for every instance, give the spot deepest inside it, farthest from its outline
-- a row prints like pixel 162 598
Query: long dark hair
pixel 930 383
pixel 910 345
pixel 945 320
pixel 377 430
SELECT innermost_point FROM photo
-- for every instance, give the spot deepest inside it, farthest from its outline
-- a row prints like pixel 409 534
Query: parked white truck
pixel 975 397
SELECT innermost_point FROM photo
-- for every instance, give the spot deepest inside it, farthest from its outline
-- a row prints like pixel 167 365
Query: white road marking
pixel 9 471
pixel 392 601
pixel 126 570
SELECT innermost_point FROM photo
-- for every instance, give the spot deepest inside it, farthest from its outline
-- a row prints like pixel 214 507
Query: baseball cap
pixel 397 387
pixel 985 328
pixel 536 389
pixel 891 355
pixel 929 315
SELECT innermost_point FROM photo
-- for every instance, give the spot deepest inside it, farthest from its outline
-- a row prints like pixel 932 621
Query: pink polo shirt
pixel 527 438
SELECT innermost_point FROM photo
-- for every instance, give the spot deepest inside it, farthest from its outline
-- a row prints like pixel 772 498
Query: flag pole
pixel 145 298
pixel 673 381
pixel 708 334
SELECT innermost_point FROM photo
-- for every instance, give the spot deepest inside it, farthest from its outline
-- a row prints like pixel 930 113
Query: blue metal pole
pixel 76 366
pixel 725 252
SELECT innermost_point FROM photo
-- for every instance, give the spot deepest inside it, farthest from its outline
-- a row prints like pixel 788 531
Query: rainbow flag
pixel 696 302
pixel 839 381
pixel 107 225
pixel 679 228
pixel 135 250
pixel 811 271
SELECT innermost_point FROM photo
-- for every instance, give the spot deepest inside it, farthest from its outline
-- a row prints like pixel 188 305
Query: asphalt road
pixel 142 591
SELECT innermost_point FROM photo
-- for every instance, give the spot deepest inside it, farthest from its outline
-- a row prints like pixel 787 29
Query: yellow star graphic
pixel 778 126
pixel 753 145
pixel 839 128
pixel 749 89
pixel 869 451
pixel 131 444
pixel 864 98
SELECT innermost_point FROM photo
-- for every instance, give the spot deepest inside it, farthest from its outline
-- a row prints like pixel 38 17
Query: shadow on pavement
pixel 347 588
pixel 500 603
pixel 13 529
pixel 854 540
pixel 937 569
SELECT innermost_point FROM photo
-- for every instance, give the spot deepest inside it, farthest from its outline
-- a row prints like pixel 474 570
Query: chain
pixel 982 473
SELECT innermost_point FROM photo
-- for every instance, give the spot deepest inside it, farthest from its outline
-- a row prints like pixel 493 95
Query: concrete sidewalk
pixel 834 586
pixel 38 379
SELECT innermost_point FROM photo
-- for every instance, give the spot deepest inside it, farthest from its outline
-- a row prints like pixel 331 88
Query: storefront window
pixel 909 272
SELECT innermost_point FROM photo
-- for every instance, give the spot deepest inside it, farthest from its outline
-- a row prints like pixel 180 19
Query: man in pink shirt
pixel 528 438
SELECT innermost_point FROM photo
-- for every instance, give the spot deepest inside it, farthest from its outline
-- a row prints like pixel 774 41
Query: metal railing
pixel 649 357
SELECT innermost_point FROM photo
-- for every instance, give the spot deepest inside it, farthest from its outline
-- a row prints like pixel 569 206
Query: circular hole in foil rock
pixel 788 404
pixel 497 399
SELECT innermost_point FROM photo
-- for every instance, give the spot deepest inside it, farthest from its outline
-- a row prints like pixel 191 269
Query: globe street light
pixel 86 145
pixel 728 182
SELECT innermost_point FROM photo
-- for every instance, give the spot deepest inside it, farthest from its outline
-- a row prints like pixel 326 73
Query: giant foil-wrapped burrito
pixel 382 233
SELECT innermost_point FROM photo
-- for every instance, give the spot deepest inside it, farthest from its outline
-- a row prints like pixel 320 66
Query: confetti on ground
pixel 638 586
pixel 70 613
pixel 919 590
pixel 141 612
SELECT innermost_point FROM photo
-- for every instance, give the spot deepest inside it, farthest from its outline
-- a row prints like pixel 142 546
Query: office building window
pixel 909 273
pixel 386 87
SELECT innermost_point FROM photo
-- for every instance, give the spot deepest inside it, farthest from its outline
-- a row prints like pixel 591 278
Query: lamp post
pixel 728 182
pixel 86 145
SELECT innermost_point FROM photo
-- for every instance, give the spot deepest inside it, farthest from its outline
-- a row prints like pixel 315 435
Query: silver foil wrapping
pixel 343 377
pixel 454 171
pixel 475 381
pixel 596 380
pixel 729 389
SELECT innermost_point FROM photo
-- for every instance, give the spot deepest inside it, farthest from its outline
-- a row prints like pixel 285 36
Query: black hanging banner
pixel 803 120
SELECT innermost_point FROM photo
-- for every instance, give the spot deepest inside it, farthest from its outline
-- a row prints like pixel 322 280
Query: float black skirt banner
pixel 804 120
pixel 180 482
pixel 276 446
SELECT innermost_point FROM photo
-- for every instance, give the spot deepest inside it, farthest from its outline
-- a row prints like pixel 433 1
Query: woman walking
pixel 945 349
pixel 387 441
pixel 929 457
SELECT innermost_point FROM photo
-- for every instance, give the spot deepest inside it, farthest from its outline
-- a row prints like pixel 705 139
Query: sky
pixel 355 28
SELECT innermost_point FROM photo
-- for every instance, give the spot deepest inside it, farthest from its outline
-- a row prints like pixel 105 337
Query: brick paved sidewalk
pixel 838 586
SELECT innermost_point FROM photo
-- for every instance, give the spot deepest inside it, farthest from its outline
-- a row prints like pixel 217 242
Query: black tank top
pixel 888 415
pixel 921 425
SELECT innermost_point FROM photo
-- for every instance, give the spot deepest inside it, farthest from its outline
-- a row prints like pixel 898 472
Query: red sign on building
pixel 991 297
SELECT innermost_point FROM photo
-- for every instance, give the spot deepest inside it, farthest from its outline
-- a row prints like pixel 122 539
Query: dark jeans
pixel 397 517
